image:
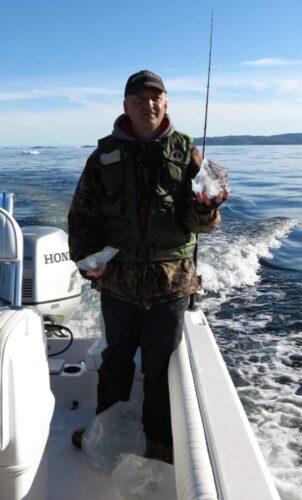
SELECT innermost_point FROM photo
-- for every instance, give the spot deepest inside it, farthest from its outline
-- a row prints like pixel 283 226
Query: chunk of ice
pixel 143 478
pixel 211 179
pixel 114 431
pixel 98 259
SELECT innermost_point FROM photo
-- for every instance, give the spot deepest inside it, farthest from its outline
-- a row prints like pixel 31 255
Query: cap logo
pixel 177 155
pixel 144 74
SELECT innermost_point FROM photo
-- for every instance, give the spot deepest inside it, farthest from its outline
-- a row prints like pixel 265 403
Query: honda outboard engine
pixel 51 281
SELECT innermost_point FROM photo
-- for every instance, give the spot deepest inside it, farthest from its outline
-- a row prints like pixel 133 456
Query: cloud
pixel 185 84
pixel 246 82
pixel 241 102
pixel 74 126
pixel 85 125
pixel 242 82
pixel 239 118
pixel 70 93
pixel 270 61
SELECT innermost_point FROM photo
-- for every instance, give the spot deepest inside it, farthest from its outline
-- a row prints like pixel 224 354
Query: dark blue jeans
pixel 157 331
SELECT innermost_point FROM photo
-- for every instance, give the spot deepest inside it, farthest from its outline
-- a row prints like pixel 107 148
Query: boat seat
pixel 26 404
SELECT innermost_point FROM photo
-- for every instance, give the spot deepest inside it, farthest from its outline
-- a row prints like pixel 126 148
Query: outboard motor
pixel 51 281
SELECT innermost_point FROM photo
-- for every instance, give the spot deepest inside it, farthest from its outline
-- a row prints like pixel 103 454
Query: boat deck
pixel 77 474
pixel 69 475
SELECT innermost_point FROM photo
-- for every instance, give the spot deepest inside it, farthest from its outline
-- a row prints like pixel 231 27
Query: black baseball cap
pixel 141 80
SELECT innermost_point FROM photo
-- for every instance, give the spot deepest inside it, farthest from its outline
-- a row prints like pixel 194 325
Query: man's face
pixel 146 109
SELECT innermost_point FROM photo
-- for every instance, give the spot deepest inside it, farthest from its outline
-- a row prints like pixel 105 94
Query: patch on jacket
pixel 109 158
pixel 177 155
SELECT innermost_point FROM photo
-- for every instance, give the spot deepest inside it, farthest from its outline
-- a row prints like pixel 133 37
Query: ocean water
pixel 252 278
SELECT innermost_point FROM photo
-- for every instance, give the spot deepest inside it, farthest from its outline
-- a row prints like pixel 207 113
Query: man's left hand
pixel 203 198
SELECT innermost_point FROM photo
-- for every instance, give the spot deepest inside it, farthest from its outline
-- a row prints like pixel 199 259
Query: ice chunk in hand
pixel 211 179
pixel 114 431
pixel 145 479
pixel 98 259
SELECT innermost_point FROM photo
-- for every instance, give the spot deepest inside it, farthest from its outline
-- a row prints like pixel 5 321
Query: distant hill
pixel 250 140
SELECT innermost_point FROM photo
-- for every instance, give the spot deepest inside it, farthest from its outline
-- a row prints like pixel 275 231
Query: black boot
pixel 159 451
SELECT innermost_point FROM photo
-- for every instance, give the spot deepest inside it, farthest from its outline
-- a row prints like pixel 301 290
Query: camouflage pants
pixel 158 331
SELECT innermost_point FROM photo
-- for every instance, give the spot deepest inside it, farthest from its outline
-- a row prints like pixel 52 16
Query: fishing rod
pixel 208 90
pixel 195 255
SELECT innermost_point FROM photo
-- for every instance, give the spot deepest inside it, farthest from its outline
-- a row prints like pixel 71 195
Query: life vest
pixel 162 236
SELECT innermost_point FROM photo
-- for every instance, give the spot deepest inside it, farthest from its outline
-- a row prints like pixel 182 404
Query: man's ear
pixel 125 106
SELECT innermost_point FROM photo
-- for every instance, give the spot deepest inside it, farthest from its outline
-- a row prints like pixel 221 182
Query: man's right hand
pixel 97 273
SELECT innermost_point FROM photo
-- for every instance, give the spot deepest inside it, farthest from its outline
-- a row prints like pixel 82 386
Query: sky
pixel 64 65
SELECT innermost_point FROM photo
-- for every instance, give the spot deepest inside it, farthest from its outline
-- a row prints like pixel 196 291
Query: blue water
pixel 252 277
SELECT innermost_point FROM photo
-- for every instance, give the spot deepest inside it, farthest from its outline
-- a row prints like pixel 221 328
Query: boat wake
pixel 232 258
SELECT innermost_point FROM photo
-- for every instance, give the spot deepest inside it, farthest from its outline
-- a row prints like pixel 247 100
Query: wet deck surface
pixel 69 474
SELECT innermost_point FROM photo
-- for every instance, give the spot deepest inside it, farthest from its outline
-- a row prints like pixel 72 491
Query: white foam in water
pixel 267 385
pixel 282 452
pixel 30 152
pixel 113 432
pixel 226 264
pixel 145 479
pixel 260 362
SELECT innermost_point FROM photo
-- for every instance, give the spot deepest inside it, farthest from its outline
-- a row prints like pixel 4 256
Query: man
pixel 135 195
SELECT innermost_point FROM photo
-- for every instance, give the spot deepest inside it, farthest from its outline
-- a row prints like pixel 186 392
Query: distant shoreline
pixel 294 139
pixel 252 140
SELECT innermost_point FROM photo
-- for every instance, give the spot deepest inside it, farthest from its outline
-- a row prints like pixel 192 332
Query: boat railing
pixel 215 450
pixel 11 250
pixel 194 473
pixel 7 201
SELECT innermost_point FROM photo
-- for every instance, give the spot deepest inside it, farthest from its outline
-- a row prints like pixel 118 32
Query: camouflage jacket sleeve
pixel 85 236
pixel 196 217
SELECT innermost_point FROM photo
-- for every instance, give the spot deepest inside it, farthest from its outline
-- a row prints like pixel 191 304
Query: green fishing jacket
pixel 156 223
pixel 153 231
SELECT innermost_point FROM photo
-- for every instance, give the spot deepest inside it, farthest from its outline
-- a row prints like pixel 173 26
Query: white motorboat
pixel 48 387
